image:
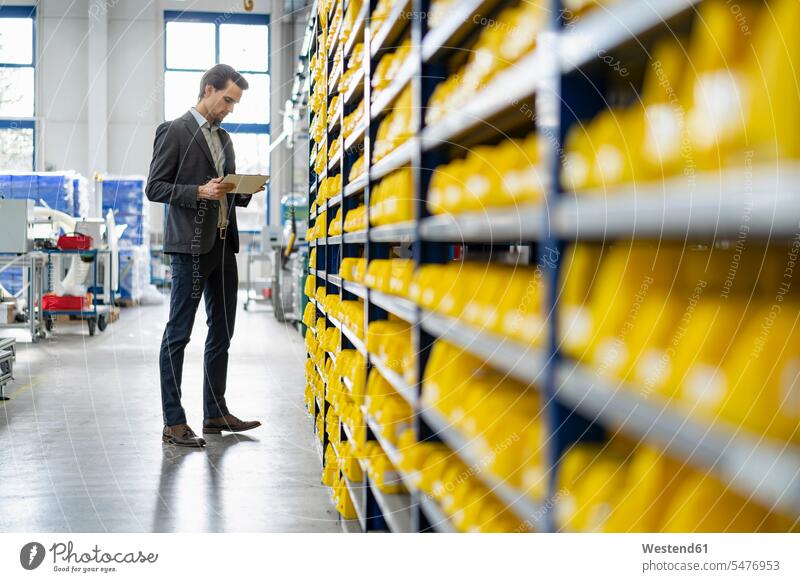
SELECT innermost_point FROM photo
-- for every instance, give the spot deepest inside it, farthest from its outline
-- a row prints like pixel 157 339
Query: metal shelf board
pixel 769 471
pixel 321 274
pixel 525 363
pixel 399 306
pixel 450 33
pixel 355 186
pixel 319 305
pixel 333 82
pixel 351 490
pixel 391 28
pixel 402 232
pixel 395 508
pixel 357 89
pixel 505 91
pixel 355 237
pixel 331 355
pixel 350 526
pixel 388 448
pixel 398 158
pixel 405 390
pixel 523 506
pixel 354 339
pixel 519 223
pixel 335 239
pixel 600 31
pixel 332 163
pixel 358 27
pixel 355 288
pixel 332 51
pixel 437 518
pixel 765 200
pixel 335 321
pixel 403 77
pixel 355 137
pixel 345 426
pixel 334 200
pixel 335 279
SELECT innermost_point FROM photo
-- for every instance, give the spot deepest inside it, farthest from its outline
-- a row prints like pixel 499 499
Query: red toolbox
pixel 63 303
pixel 74 242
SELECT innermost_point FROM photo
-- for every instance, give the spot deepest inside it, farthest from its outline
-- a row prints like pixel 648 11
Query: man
pixel 191 155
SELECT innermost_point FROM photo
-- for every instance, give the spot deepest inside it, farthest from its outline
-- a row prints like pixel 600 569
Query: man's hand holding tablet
pixel 246 183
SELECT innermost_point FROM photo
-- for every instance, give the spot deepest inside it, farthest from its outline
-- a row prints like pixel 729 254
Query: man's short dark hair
pixel 218 77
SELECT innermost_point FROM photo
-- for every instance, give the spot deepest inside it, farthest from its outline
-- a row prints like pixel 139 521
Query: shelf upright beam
pixel 548 122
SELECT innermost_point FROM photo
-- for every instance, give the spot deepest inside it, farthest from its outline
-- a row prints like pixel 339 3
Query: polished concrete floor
pixel 80 438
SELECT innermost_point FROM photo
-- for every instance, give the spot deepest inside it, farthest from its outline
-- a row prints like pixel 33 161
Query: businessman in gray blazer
pixel 191 155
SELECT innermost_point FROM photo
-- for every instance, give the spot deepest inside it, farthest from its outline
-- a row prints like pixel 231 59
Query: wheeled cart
pixel 97 313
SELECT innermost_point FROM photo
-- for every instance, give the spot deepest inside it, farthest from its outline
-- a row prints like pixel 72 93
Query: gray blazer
pixel 181 162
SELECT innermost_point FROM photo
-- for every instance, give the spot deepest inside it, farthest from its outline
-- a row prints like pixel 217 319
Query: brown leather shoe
pixel 181 435
pixel 228 423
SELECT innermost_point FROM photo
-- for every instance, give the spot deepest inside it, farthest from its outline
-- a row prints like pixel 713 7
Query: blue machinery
pixel 569 82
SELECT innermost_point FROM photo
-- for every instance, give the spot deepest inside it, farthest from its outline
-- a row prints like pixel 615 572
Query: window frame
pixel 23 122
pixel 217 19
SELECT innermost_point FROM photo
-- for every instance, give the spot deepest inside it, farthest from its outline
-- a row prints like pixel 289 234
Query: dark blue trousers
pixel 213 276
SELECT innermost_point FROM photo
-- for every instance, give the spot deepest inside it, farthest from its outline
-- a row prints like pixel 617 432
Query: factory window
pixel 196 41
pixel 17 88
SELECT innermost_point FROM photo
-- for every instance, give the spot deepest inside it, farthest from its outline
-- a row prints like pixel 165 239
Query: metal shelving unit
pixel 558 76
